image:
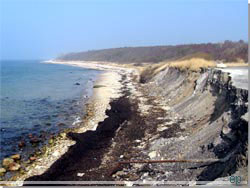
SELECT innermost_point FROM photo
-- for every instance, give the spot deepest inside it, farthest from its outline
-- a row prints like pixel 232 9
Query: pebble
pixel 56 154
pixel 32 158
pixel 14 166
pixel 7 161
pixel 21 144
pixel 60 124
pixel 63 135
pixel 152 154
pixel 16 157
pixel 2 171
pixel 120 173
pixel 34 140
pixel 80 174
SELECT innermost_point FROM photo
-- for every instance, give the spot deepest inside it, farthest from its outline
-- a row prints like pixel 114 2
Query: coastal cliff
pixel 215 119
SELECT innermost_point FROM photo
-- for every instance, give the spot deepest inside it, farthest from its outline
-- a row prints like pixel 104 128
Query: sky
pixel 44 29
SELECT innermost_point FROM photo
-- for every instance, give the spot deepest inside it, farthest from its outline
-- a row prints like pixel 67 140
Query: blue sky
pixel 43 29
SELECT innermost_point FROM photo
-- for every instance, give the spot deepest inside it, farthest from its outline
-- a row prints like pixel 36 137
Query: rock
pixel 32 158
pixel 51 141
pixel 56 154
pixel 62 135
pixel 80 174
pixel 37 125
pixel 7 161
pixel 2 171
pixel 77 83
pixel 14 166
pixel 21 144
pixel 152 154
pixel 16 157
pixel 137 141
pixel 210 146
pixel 48 124
pixel 129 183
pixel 60 124
pixel 34 140
pixel 120 173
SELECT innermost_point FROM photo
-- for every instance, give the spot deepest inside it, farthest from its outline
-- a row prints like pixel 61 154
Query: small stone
pixel 14 166
pixel 21 144
pixel 137 141
pixel 80 174
pixel 16 157
pixel 51 141
pixel 2 171
pixel 152 154
pixel 56 154
pixel 60 124
pixel 34 140
pixel 32 158
pixel 138 165
pixel 22 171
pixel 129 183
pixel 63 135
pixel 7 161
pixel 120 173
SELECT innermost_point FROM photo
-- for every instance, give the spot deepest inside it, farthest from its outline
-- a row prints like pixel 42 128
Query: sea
pixel 39 100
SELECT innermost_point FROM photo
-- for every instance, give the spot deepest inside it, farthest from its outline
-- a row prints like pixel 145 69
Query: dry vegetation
pixel 193 64
pixel 238 63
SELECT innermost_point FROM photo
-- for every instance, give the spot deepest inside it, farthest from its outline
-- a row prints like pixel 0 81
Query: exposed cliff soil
pixel 172 115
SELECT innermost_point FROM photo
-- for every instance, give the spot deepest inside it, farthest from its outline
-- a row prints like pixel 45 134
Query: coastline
pixel 127 120
pixel 108 88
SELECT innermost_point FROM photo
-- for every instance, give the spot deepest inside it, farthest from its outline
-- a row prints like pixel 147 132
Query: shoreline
pixel 109 88
pixel 142 122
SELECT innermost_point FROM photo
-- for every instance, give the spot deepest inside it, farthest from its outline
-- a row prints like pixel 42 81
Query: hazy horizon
pixel 44 29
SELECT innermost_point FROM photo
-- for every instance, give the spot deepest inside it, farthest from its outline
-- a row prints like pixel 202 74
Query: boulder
pixel 7 161
pixel 16 157
pixel 14 166
pixel 2 171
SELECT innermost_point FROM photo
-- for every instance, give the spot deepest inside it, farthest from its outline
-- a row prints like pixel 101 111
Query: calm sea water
pixel 40 99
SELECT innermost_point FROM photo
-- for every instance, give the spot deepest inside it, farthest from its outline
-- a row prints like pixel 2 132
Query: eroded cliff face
pixel 213 124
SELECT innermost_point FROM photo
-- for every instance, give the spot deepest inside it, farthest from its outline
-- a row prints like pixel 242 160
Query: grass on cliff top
pixel 193 64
